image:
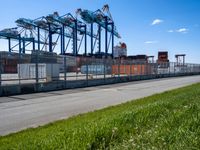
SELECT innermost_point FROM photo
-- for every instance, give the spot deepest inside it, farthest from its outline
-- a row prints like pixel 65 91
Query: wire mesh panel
pixel 12 71
pixel 42 71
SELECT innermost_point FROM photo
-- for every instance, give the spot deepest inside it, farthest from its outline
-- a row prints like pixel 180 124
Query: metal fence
pixel 25 73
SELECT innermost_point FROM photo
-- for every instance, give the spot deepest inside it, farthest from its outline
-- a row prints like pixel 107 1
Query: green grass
pixel 170 120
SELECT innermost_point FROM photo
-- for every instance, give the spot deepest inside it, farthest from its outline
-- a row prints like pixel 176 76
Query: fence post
pixel 118 68
pixel 86 71
pixel 104 71
pixel 76 67
pixel 1 70
pixel 65 71
pixel 199 69
pixel 174 69
pixel 141 73
pixel 19 72
pixel 36 70
pixel 96 66
pixel 157 70
pixel 130 63
pixel 146 70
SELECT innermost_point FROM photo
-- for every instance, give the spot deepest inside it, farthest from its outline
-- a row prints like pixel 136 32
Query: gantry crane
pixel 41 31
pixel 16 35
pixel 77 26
pixel 103 21
pixel 42 23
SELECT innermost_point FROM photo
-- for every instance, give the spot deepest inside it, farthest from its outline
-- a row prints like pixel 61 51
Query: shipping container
pixel 120 50
pixel 45 71
pixel 163 57
pixel 136 69
pixel 9 61
pixel 96 69
pixel 9 69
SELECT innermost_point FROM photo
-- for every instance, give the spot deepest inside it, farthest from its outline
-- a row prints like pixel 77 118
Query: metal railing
pixel 38 72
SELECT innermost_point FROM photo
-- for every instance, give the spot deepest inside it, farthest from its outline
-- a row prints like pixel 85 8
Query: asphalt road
pixel 32 110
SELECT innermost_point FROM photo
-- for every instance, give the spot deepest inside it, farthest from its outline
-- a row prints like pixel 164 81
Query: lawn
pixel 170 120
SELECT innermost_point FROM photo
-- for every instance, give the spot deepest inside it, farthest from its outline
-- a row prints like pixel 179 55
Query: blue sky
pixel 176 22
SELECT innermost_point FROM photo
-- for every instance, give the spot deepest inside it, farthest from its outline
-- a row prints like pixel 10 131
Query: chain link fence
pixel 42 71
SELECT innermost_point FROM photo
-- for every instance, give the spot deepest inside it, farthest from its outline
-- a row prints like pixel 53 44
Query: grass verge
pixel 170 120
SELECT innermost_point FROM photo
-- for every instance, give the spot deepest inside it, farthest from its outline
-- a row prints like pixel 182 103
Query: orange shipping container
pixel 128 69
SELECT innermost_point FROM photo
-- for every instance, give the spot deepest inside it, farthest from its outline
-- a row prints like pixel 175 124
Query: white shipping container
pixel 118 51
pixel 45 71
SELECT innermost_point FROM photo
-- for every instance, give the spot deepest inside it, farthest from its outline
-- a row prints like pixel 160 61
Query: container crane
pixel 26 23
pixel 67 20
pixel 103 21
pixel 33 24
pixel 41 23
pixel 9 32
pixel 96 17
pixel 41 31
pixel 14 34
pixel 106 9
pixel 77 26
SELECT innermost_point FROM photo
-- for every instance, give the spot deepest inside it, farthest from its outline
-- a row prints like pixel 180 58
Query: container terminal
pixel 56 52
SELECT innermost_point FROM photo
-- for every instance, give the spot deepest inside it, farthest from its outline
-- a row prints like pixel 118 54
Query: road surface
pixel 25 111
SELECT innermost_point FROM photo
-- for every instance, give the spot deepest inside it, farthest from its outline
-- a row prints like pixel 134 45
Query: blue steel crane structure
pixel 65 27
pixel 53 24
pixel 20 34
pixel 76 25
pixel 103 21
pixel 13 34
pixel 45 25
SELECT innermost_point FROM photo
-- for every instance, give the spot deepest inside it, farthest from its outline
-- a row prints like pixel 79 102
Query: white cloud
pixel 182 30
pixel 170 31
pixel 151 42
pixel 156 21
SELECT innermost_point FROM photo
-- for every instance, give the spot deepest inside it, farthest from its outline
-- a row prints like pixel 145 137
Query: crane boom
pixel 67 20
pixel 31 24
pixel 96 17
pixel 106 8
